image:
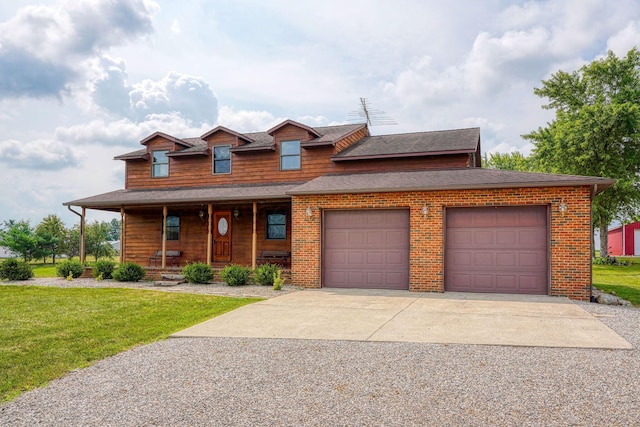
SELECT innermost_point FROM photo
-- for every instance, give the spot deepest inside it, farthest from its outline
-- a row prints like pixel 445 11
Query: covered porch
pixel 166 229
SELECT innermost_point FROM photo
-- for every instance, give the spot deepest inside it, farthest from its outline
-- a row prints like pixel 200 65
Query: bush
pixel 15 269
pixel 70 267
pixel 104 269
pixel 263 275
pixel 277 280
pixel 609 261
pixel 235 275
pixel 129 272
pixel 198 272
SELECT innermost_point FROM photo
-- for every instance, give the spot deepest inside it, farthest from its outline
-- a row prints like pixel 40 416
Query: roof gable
pixel 309 129
pixel 229 131
pixel 167 137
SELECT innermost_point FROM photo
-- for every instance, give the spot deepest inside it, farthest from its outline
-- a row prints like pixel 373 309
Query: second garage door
pixel 498 249
pixel 366 249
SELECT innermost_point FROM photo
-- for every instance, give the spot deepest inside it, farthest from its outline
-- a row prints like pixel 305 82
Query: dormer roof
pixel 309 129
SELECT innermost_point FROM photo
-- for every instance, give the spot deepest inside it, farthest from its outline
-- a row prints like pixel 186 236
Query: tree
pixel 72 241
pixel 18 236
pixel 50 234
pixel 596 132
pixel 114 230
pixel 96 240
pixel 515 161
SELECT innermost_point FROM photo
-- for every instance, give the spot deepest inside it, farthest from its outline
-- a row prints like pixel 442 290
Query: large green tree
pixel 596 132
pixel 19 237
pixel 50 234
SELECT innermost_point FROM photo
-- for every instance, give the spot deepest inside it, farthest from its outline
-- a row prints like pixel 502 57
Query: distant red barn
pixel 625 240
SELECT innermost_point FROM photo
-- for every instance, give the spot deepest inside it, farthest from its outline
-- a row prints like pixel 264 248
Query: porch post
pixel 82 229
pixel 164 237
pixel 254 236
pixel 210 233
pixel 122 235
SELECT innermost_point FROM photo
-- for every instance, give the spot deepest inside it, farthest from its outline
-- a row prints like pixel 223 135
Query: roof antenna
pixel 371 116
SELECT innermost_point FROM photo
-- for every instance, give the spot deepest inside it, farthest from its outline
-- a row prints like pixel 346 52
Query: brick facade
pixel 569 240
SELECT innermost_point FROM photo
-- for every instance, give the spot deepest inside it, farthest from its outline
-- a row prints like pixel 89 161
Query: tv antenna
pixel 371 116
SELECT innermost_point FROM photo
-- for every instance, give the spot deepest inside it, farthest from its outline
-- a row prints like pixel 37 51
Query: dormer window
pixel 289 155
pixel 160 164
pixel 221 159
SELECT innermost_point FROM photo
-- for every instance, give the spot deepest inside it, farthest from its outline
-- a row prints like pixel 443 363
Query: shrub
pixel 235 275
pixel 15 269
pixel 70 267
pixel 277 280
pixel 263 275
pixel 198 272
pixel 104 269
pixel 129 272
pixel 609 261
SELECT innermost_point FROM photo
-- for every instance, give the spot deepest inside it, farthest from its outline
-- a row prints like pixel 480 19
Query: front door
pixel 222 236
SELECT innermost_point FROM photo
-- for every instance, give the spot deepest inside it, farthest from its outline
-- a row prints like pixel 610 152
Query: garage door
pixel 501 249
pixel 366 249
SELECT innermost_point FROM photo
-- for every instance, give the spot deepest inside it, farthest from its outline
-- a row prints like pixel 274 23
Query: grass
pixel 47 332
pixel 623 279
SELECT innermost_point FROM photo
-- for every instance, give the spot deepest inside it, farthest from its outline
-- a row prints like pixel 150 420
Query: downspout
pixel 81 215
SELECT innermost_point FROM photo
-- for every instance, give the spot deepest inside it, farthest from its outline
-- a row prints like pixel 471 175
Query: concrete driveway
pixel 401 316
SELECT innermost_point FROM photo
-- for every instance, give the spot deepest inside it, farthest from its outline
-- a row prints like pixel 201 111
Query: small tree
pixel 18 236
pixel 114 230
pixel 50 234
pixel 96 240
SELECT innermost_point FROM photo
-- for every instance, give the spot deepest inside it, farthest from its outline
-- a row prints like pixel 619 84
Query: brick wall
pixel 570 238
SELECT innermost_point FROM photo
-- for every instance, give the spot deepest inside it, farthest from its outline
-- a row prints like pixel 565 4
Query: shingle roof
pixel 426 143
pixel 115 199
pixel 134 155
pixel 451 179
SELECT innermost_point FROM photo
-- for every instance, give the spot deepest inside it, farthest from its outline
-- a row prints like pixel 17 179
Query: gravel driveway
pixel 235 381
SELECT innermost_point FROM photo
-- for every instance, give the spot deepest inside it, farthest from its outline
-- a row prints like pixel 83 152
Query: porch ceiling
pixel 169 196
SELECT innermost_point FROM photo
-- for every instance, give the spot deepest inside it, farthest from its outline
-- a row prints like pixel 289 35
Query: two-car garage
pixel 486 249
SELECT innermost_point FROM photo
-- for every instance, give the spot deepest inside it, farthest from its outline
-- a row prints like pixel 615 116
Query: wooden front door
pixel 222 236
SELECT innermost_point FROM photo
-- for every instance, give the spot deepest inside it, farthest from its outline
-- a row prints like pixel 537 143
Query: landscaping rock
pixel 608 299
pixel 173 277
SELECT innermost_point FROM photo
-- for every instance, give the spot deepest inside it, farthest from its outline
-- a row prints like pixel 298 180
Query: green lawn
pixel 47 332
pixel 623 279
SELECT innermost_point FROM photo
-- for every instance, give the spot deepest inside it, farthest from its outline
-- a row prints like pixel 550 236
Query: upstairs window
pixel 289 155
pixel 276 226
pixel 173 227
pixel 221 159
pixel 160 166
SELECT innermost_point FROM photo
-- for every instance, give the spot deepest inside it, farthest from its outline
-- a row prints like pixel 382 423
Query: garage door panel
pixel 374 253
pixel 500 249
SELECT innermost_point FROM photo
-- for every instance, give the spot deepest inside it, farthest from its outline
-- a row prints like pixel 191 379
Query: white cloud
pixel 175 27
pixel 624 40
pixel 42 47
pixel 38 155
pixel 246 120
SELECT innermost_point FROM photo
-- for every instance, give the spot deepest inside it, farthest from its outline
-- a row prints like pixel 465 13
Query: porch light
pixel 425 210
pixel 201 215
pixel 309 212
pixel 236 213
pixel 563 207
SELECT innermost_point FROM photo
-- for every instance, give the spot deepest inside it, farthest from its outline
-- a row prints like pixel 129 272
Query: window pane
pixel 222 166
pixel 277 232
pixel 290 148
pixel 173 221
pixel 221 152
pixel 276 226
pixel 290 162
pixel 160 170
pixel 160 157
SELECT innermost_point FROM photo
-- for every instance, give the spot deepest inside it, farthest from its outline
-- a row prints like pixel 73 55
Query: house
pixel 343 208
pixel 624 240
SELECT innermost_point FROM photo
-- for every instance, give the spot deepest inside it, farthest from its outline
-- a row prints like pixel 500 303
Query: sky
pixel 84 81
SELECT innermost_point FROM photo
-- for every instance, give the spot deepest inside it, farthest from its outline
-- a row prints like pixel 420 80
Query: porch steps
pixel 170 280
